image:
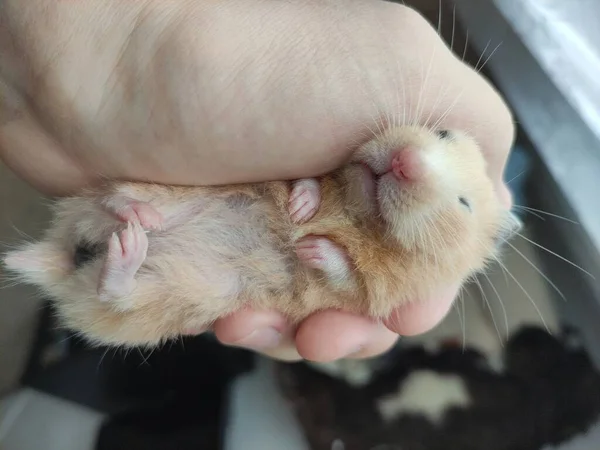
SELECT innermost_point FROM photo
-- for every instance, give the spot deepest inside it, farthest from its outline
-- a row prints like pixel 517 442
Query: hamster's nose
pixel 406 164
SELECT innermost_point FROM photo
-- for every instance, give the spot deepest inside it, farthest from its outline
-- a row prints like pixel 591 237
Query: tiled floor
pixel 30 420
pixel 259 417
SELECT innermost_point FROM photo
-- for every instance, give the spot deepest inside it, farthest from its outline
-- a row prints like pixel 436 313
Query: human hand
pixel 225 91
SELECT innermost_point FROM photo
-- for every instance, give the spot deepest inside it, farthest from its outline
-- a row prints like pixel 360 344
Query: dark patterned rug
pixel 547 393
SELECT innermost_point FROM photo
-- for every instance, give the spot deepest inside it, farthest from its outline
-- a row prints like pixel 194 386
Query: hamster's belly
pixel 223 250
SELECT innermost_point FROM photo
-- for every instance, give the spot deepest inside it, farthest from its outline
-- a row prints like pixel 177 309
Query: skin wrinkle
pixel 17 153
pixel 359 76
pixel 335 155
pixel 291 121
pixel 11 72
pixel 72 137
pixel 192 76
pixel 116 72
pixel 146 80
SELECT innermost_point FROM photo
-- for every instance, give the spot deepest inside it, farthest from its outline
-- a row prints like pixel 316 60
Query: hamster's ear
pixel 511 225
pixel 38 263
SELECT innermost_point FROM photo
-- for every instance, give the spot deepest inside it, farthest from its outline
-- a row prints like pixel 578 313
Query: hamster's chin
pixel 394 194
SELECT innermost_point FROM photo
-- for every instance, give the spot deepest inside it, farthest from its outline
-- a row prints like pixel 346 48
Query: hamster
pixel 135 264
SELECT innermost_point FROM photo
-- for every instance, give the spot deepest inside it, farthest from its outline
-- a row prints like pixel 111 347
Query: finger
pixel 331 335
pixel 486 116
pixel 261 331
pixel 505 194
pixel 469 101
pixel 421 316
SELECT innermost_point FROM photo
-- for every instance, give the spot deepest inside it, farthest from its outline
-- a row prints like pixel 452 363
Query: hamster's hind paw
pixel 130 211
pixel 126 252
pixel 304 200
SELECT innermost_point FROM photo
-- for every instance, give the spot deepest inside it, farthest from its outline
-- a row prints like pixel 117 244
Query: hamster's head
pixel 434 196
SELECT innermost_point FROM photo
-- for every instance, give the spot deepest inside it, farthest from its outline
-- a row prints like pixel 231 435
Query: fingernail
pixel 261 339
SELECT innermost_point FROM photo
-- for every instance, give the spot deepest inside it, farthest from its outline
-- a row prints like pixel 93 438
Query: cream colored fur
pixel 223 248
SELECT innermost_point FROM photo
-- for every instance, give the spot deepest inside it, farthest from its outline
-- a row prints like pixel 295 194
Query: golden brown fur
pixel 222 248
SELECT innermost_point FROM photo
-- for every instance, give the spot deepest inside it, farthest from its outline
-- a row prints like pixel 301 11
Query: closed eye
pixel 443 134
pixel 463 201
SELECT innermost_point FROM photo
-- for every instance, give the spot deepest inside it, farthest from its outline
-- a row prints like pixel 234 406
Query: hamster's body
pixel 198 253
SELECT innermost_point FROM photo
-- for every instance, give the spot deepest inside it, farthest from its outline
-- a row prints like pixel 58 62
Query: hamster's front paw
pixel 305 199
pixel 321 253
pixel 126 252
pixel 129 210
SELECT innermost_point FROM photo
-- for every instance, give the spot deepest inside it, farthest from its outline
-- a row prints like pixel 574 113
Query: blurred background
pixel 513 366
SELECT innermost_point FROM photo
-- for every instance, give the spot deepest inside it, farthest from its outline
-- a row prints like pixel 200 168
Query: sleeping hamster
pixel 135 264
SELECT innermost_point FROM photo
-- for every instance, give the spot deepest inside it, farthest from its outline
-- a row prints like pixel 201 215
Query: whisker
pixel 453 27
pixel 439 97
pixel 448 110
pixel 145 361
pixel 559 292
pixel 499 300
pixel 28 238
pixel 396 109
pixel 360 71
pixel 460 319
pixel 466 45
pixel 430 225
pixel 371 130
pixel 527 295
pixel 481 56
pixel 557 255
pixel 489 57
pixel 9 284
pixel 464 336
pixel 63 340
pixel 527 208
pixel 516 176
pixel 503 273
pixel 439 27
pixel 102 359
pixel 425 80
pixel 489 306
pixel 532 213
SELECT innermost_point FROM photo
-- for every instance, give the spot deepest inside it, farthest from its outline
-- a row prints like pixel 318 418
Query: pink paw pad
pixel 320 253
pixel 132 211
pixel 304 200
pixel 128 248
pixel 126 252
